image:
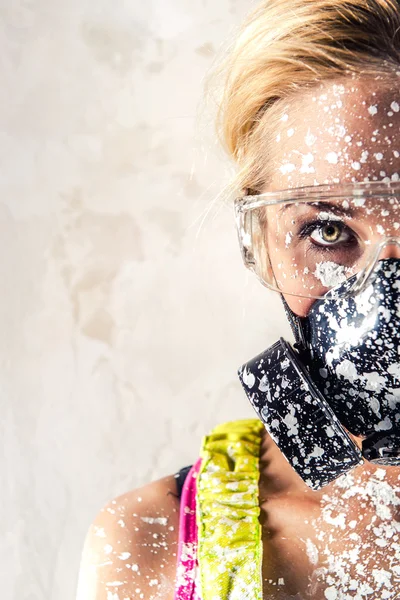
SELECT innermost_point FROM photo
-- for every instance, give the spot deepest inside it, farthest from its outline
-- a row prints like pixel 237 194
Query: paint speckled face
pixel 340 132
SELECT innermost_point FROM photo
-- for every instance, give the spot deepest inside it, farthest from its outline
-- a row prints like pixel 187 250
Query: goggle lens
pixel 306 246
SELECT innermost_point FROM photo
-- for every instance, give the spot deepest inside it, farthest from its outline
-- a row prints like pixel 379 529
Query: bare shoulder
pixel 131 546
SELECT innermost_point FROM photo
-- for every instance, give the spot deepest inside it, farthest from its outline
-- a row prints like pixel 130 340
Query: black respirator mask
pixel 342 375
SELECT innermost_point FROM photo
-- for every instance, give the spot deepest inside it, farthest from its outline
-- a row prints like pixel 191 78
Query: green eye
pixel 331 233
pixel 327 233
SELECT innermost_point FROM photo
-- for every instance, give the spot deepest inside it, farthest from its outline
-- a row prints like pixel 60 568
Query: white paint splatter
pixel 155 520
pixel 328 216
pixel 332 158
pixel 384 425
pixel 312 552
pixel 374 381
pixel 124 555
pixel 310 139
pixel 291 422
pixel 307 160
pixel 99 531
pixel 248 378
pixel 317 452
pixel 330 593
pixel 339 521
pixel 330 274
pixel 287 168
pixel 330 432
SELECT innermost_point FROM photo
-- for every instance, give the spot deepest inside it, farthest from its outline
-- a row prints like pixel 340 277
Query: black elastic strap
pixel 180 479
pixel 296 324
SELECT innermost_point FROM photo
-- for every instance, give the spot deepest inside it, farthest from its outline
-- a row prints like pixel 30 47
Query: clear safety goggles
pixel 306 241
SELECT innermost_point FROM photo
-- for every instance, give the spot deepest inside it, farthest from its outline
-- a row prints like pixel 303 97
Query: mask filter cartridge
pixel 297 417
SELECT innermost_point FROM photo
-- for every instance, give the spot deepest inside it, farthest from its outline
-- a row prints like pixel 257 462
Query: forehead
pixel 339 132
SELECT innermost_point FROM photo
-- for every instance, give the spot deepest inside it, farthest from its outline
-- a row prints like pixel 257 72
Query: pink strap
pixel 187 584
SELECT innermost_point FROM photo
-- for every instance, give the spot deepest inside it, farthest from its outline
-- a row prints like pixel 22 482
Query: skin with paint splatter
pixel 341 132
pixel 130 549
pixel 342 541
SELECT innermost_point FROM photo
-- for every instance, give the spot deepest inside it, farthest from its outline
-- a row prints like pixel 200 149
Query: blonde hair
pixel 286 46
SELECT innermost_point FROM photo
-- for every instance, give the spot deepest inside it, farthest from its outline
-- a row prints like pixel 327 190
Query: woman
pixel 311 100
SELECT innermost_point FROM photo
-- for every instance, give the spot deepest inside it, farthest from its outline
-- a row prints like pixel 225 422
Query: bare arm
pixel 130 548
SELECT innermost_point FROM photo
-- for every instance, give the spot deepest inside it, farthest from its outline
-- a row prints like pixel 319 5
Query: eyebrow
pixel 321 205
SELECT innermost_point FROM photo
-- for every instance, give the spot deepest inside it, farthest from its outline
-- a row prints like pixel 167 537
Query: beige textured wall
pixel 124 313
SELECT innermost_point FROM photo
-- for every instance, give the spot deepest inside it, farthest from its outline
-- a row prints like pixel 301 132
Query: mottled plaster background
pixel 124 311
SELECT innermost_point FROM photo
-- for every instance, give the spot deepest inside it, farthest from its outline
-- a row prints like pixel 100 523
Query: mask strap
pixel 296 324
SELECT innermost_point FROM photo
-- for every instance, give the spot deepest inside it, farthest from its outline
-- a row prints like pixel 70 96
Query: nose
pixel 390 249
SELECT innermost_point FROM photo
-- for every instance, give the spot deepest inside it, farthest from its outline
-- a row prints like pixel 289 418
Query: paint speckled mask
pixel 344 376
pixel 352 347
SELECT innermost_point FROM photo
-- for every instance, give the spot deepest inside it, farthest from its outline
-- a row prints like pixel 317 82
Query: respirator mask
pixel 337 250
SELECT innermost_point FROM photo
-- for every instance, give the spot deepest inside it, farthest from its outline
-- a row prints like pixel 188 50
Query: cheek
pixel 300 306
